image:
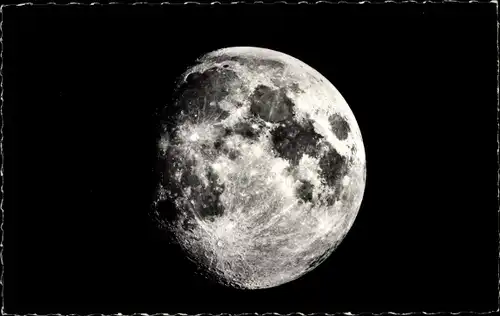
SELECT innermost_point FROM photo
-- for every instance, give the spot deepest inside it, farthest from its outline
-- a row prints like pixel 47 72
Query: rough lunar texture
pixel 265 164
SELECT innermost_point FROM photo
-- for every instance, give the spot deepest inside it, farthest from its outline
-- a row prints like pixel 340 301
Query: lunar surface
pixel 264 163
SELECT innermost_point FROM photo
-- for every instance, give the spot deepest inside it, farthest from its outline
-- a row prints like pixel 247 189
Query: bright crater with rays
pixel 262 167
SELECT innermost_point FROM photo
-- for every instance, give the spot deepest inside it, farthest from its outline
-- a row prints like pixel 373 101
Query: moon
pixel 265 164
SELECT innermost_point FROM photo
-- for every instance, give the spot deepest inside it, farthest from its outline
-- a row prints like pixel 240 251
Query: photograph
pixel 249 158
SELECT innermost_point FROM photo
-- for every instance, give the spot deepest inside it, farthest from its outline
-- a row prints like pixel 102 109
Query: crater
pixel 218 144
pixel 271 105
pixel 339 125
pixel 292 140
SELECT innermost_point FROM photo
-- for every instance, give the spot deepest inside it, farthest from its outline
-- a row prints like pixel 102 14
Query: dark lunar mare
pixel 333 169
pixel 292 140
pixel 271 105
pixel 249 61
pixel 305 191
pixel 209 197
pixel 339 125
pixel 194 95
pixel 245 129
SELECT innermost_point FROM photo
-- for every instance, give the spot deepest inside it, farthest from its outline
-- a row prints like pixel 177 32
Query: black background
pixel 81 87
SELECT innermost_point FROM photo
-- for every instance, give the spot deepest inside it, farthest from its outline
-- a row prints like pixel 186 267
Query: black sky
pixel 82 85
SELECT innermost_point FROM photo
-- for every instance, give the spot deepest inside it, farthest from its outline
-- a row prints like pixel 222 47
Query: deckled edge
pixel 256 2
pixel 498 160
pixel 2 309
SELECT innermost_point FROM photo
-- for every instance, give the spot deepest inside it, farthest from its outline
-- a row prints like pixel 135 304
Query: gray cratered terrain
pixel 265 164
